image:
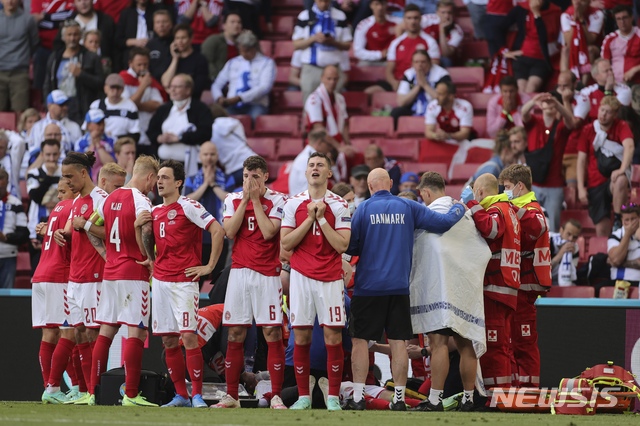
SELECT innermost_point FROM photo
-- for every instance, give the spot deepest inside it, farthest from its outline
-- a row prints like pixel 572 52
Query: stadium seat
pixel 634 293
pixel 286 7
pixel 282 52
pixel 8 120
pixel 274 168
pixel 289 148
pixel 581 292
pixel 582 249
pixel 478 101
pixel 23 266
pixel 466 25
pixel 597 245
pixel 246 123
pixel 282 28
pixel 480 125
pixel 357 103
pixel 22 281
pixel 582 216
pixel 411 127
pixel 454 191
pixel 467 79
pixel 436 151
pixel 282 78
pixel 400 149
pixel 277 125
pixel 266 48
pixel 419 168
pixel 635 175
pixel 478 155
pixel 607 292
pixel 473 49
pixel 290 103
pixel 360 144
pixel 365 126
pixel 384 100
pixel 362 77
pixel 462 172
pixel 266 147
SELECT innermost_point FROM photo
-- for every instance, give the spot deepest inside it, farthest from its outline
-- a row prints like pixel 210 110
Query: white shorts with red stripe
pixel 48 304
pixel 252 295
pixel 83 299
pixel 308 297
pixel 175 306
pixel 124 302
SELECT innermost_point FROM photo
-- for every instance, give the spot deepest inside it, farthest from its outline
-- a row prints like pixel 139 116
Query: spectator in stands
pixel 227 133
pixel 504 153
pixel 249 78
pixel 6 161
pixel 209 187
pixel 323 35
pixel 448 117
pixel 42 185
pixel 622 47
pixel 503 110
pixel 374 158
pixel 318 141
pixel 125 152
pixel 13 228
pixel 581 28
pixel 442 27
pixel 185 60
pixel 27 119
pixel 402 48
pixel 613 137
pixel 33 157
pixel 49 16
pixel 202 15
pixel 145 91
pixel 19 35
pixel 220 48
pixel 495 24
pixel 68 131
pixel 134 29
pixel 623 246
pixel 179 126
pixel 417 87
pixel 113 8
pixel 346 192
pixel 409 182
pixel 605 85
pixel 535 44
pixel 374 34
pixel 91 41
pixel 159 45
pixel 565 253
pixel 358 181
pixel 553 126
pixel 326 108
pixel 477 10
pixel 518 142
pixel 121 114
pixel 75 71
pixel 96 140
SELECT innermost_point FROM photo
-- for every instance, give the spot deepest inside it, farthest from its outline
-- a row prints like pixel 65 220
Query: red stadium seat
pixel 411 127
pixel 480 125
pixel 478 101
pixel 436 151
pixel 473 49
pixel 606 292
pixel 357 103
pixel 364 126
pixel 282 52
pixel 384 100
pixel 23 266
pixel 277 125
pixel 582 216
pixel 478 155
pixel 362 77
pixel 266 147
pixel 462 172
pixel 266 48
pixel 400 149
pixel 635 175
pixel 290 103
pixel 22 281
pixel 467 79
pixel 419 168
pixel 286 7
pixel 466 25
pixel 289 148
pixel 634 293
pixel 246 123
pixel 274 168
pixel 360 144
pixel 8 120
pixel 454 191
pixel 581 292
pixel 282 78
pixel 282 28
pixel 597 245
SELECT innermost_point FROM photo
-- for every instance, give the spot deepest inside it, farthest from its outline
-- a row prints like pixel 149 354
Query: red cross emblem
pixel 526 330
pixel 492 335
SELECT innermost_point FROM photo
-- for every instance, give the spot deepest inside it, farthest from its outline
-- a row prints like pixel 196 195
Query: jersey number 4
pixel 114 235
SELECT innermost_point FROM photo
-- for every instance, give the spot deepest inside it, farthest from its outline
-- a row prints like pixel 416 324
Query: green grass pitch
pixel 32 413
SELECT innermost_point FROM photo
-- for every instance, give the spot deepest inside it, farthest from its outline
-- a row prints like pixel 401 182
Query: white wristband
pixel 87 225
pixel 322 221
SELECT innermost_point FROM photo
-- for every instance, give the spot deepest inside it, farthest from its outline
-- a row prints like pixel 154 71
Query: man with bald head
pixel 498 222
pixel 381 293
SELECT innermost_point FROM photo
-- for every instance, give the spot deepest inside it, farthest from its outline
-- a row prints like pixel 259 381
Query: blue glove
pixel 467 194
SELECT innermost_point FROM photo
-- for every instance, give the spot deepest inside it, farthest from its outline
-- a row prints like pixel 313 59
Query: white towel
pixel 567 273
pixel 334 124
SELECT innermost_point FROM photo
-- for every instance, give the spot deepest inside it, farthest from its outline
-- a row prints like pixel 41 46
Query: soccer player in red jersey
pixel 177 229
pixel 317 227
pixel 50 280
pixel 252 219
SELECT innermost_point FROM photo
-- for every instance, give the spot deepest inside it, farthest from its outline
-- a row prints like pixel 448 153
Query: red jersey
pixel 460 115
pixel 430 24
pixel 623 52
pixel 55 12
pixel 200 29
pixel 402 48
pixel 250 249
pixel 314 257
pixel 618 132
pixel 112 8
pixel 86 264
pixel 209 321
pixel 119 212
pixel 178 233
pixel 595 94
pixel 531 44
pixel 371 38
pixel 499 7
pixel 538 135
pixel 54 260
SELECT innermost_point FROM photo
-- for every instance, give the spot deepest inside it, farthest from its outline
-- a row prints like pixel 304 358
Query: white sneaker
pixel 227 402
pixel 277 404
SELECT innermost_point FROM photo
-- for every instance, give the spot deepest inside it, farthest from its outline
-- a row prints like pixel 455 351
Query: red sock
pixel 44 357
pixel 77 366
pixel 195 365
pixel 175 365
pixel 71 371
pixel 233 366
pixel 302 365
pixel 84 349
pixel 411 402
pixel 99 359
pixel 425 387
pixel 275 365
pixel 377 404
pixel 335 364
pixel 133 348
pixel 59 361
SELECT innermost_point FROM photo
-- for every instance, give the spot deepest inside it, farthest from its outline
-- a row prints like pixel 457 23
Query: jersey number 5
pixel 114 235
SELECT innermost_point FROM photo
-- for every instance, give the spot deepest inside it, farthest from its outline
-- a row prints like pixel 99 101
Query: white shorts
pixel 124 302
pixel 83 299
pixel 175 306
pixel 47 304
pixel 252 295
pixel 308 297
pixel 346 390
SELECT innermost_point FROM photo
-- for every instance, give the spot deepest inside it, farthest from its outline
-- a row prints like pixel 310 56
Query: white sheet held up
pixel 447 280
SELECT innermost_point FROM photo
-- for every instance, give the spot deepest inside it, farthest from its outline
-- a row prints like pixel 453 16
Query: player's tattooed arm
pixel 148 240
pixel 98 244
